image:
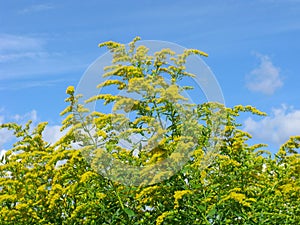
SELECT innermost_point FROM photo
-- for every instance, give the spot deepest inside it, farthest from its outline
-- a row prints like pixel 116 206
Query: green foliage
pixel 225 180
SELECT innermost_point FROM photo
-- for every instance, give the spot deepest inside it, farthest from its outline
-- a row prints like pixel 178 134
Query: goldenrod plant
pixel 191 163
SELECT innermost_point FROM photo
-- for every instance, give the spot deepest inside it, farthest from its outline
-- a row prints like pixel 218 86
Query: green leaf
pixel 201 208
pixel 211 212
pixel 129 212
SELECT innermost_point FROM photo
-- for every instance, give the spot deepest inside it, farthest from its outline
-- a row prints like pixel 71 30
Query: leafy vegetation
pixel 191 165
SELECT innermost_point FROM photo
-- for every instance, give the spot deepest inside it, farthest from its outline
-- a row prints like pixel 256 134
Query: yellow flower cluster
pixel 289 188
pixel 198 156
pixel 100 195
pixel 146 119
pixel 107 97
pixel 226 161
pixel 132 44
pixel 141 54
pixel 172 94
pixel 176 156
pixel 102 134
pixel 178 195
pixel 289 146
pixel 110 44
pixel 181 58
pixel 70 90
pixel 160 219
pixel 147 191
pixel 121 85
pixel 247 108
pixel 141 84
pixel 125 103
pixel 160 176
pixel 7 197
pixel 161 56
pixel 239 197
pixel 196 52
pixel 86 176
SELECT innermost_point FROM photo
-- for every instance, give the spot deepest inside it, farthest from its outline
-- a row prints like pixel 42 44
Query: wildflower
pixel 160 219
pixel 178 195
pixel 70 90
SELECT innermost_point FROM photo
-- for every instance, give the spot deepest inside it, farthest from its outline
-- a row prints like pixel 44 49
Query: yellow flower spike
pixel 86 177
pixel 70 90
pixel 132 44
pixel 100 195
pixel 178 195
pixel 146 191
pixel 176 157
pixel 161 218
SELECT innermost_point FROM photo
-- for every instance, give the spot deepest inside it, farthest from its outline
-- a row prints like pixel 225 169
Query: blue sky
pixel 253 48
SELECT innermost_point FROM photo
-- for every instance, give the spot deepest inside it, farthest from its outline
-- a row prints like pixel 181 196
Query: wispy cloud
pixel 16 43
pixel 51 133
pixel 32 115
pixel 5 135
pixel 276 128
pixel 5 117
pixel 24 57
pixel 266 78
pixel 2 152
pixel 14 47
pixel 36 8
pixel 31 83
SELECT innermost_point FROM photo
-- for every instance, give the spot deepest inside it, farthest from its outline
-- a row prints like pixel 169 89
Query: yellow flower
pixel 100 195
pixel 178 195
pixel 70 90
pixel 102 133
pixel 160 219
pixel 146 191
pixel 172 94
pixel 239 197
pixel 176 157
pixel 86 176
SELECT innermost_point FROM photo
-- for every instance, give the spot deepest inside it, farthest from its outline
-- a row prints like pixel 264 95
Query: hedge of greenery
pixel 225 180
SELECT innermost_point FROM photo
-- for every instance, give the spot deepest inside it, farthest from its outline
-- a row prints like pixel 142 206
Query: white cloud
pixel 17 43
pixel 52 134
pixel 2 152
pixel 276 128
pixel 266 78
pixel 32 115
pixel 1 119
pixel 27 57
pixel 6 136
pixel 31 83
pixel 14 47
pixel 21 55
pixel 37 8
